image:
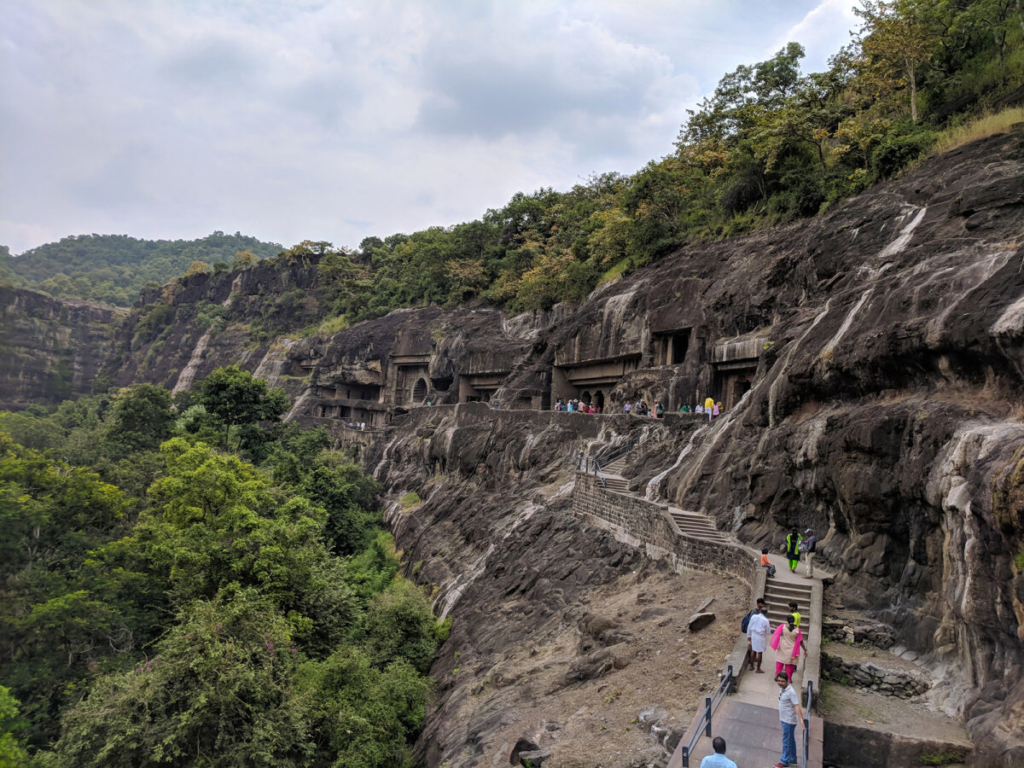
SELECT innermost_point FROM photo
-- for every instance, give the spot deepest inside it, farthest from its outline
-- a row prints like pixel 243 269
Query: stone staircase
pixel 778 594
pixel 615 467
pixel 688 523
pixel 696 524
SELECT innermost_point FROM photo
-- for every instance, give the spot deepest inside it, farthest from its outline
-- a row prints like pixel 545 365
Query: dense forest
pixel 193 582
pixel 113 268
pixel 770 145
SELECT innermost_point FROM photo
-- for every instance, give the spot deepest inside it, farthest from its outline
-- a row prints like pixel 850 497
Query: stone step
pixel 699 528
pixel 688 526
pixel 782 607
pixel 785 589
pixel 615 465
pixel 776 618
pixel 703 535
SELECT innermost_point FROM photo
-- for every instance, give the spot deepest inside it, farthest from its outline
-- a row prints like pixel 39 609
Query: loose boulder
pixel 698 621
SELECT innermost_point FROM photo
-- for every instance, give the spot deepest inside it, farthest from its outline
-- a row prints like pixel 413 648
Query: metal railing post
pixel 728 685
pixel 686 756
pixel 807 724
pixel 707 709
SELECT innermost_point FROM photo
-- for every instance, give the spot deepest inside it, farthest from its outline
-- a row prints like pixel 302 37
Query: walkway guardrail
pixel 711 704
pixel 807 724
pixel 588 464
pixel 619 451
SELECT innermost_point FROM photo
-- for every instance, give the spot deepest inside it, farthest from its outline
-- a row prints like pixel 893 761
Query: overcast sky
pixel 337 120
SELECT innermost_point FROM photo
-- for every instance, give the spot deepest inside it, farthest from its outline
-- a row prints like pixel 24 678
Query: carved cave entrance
pixel 733 380
pixel 419 391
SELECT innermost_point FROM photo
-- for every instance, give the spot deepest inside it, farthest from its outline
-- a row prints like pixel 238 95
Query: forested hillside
pixel 184 586
pixel 770 145
pixel 113 268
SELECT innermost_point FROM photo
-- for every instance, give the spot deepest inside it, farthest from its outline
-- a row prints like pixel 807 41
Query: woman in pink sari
pixel 787 642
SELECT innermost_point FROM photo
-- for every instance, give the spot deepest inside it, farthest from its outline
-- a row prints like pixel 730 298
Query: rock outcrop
pixel 52 349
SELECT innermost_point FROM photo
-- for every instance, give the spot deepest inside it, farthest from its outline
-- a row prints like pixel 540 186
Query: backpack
pixel 746 622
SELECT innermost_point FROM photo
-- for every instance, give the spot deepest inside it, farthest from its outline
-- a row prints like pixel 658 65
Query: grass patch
pixel 332 325
pixel 410 500
pixel 945 758
pixel 986 125
pixel 826 698
pixel 615 272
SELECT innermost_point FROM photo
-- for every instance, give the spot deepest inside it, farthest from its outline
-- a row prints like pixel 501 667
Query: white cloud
pixel 822 32
pixel 289 120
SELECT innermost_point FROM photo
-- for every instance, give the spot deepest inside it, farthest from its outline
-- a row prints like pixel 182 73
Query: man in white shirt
pixel 758 630
pixel 790 714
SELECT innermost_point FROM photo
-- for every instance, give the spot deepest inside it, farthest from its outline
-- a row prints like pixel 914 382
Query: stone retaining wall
pixel 858 630
pixel 888 682
pixel 646 525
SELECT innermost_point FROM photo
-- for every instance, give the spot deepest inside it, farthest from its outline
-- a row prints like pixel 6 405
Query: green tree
pixel 12 753
pixel 346 494
pixel 897 40
pixel 400 626
pixel 142 418
pixel 235 397
pixel 215 691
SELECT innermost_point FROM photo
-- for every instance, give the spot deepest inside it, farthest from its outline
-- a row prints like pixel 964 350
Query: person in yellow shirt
pixel 709 404
pixel 794 613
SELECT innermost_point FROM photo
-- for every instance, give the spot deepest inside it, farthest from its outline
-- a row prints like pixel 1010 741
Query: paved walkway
pixel 748 719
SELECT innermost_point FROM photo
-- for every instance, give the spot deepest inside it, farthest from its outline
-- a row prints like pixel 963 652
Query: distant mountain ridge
pixel 113 268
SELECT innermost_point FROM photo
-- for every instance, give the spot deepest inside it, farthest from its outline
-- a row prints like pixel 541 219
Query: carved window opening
pixel 670 347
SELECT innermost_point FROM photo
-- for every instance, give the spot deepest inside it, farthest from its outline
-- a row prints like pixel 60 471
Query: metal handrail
pixel 620 451
pixel 711 704
pixel 584 464
pixel 807 724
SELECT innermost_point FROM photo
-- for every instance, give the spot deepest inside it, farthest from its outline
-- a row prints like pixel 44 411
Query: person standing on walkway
pixel 744 626
pixel 787 642
pixel 790 714
pixel 758 630
pixel 717 760
pixel 709 405
pixel 808 549
pixel 793 540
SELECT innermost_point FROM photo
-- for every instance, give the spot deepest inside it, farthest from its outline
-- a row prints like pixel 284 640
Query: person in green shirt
pixel 793 540
pixel 795 613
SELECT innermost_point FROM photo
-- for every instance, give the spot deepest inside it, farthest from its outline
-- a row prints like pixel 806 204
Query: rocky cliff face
pixel 876 354
pixel 870 361
pixel 179 333
pixel 52 349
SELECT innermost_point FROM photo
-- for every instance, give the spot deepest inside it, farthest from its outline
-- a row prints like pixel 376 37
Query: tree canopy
pixel 166 602
pixel 114 268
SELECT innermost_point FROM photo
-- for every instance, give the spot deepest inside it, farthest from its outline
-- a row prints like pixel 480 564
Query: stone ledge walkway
pixel 748 719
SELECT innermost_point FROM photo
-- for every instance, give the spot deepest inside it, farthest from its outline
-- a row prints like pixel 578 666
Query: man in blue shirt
pixel 717 760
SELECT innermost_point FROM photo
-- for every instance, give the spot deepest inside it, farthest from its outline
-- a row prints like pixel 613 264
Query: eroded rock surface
pixel 51 349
